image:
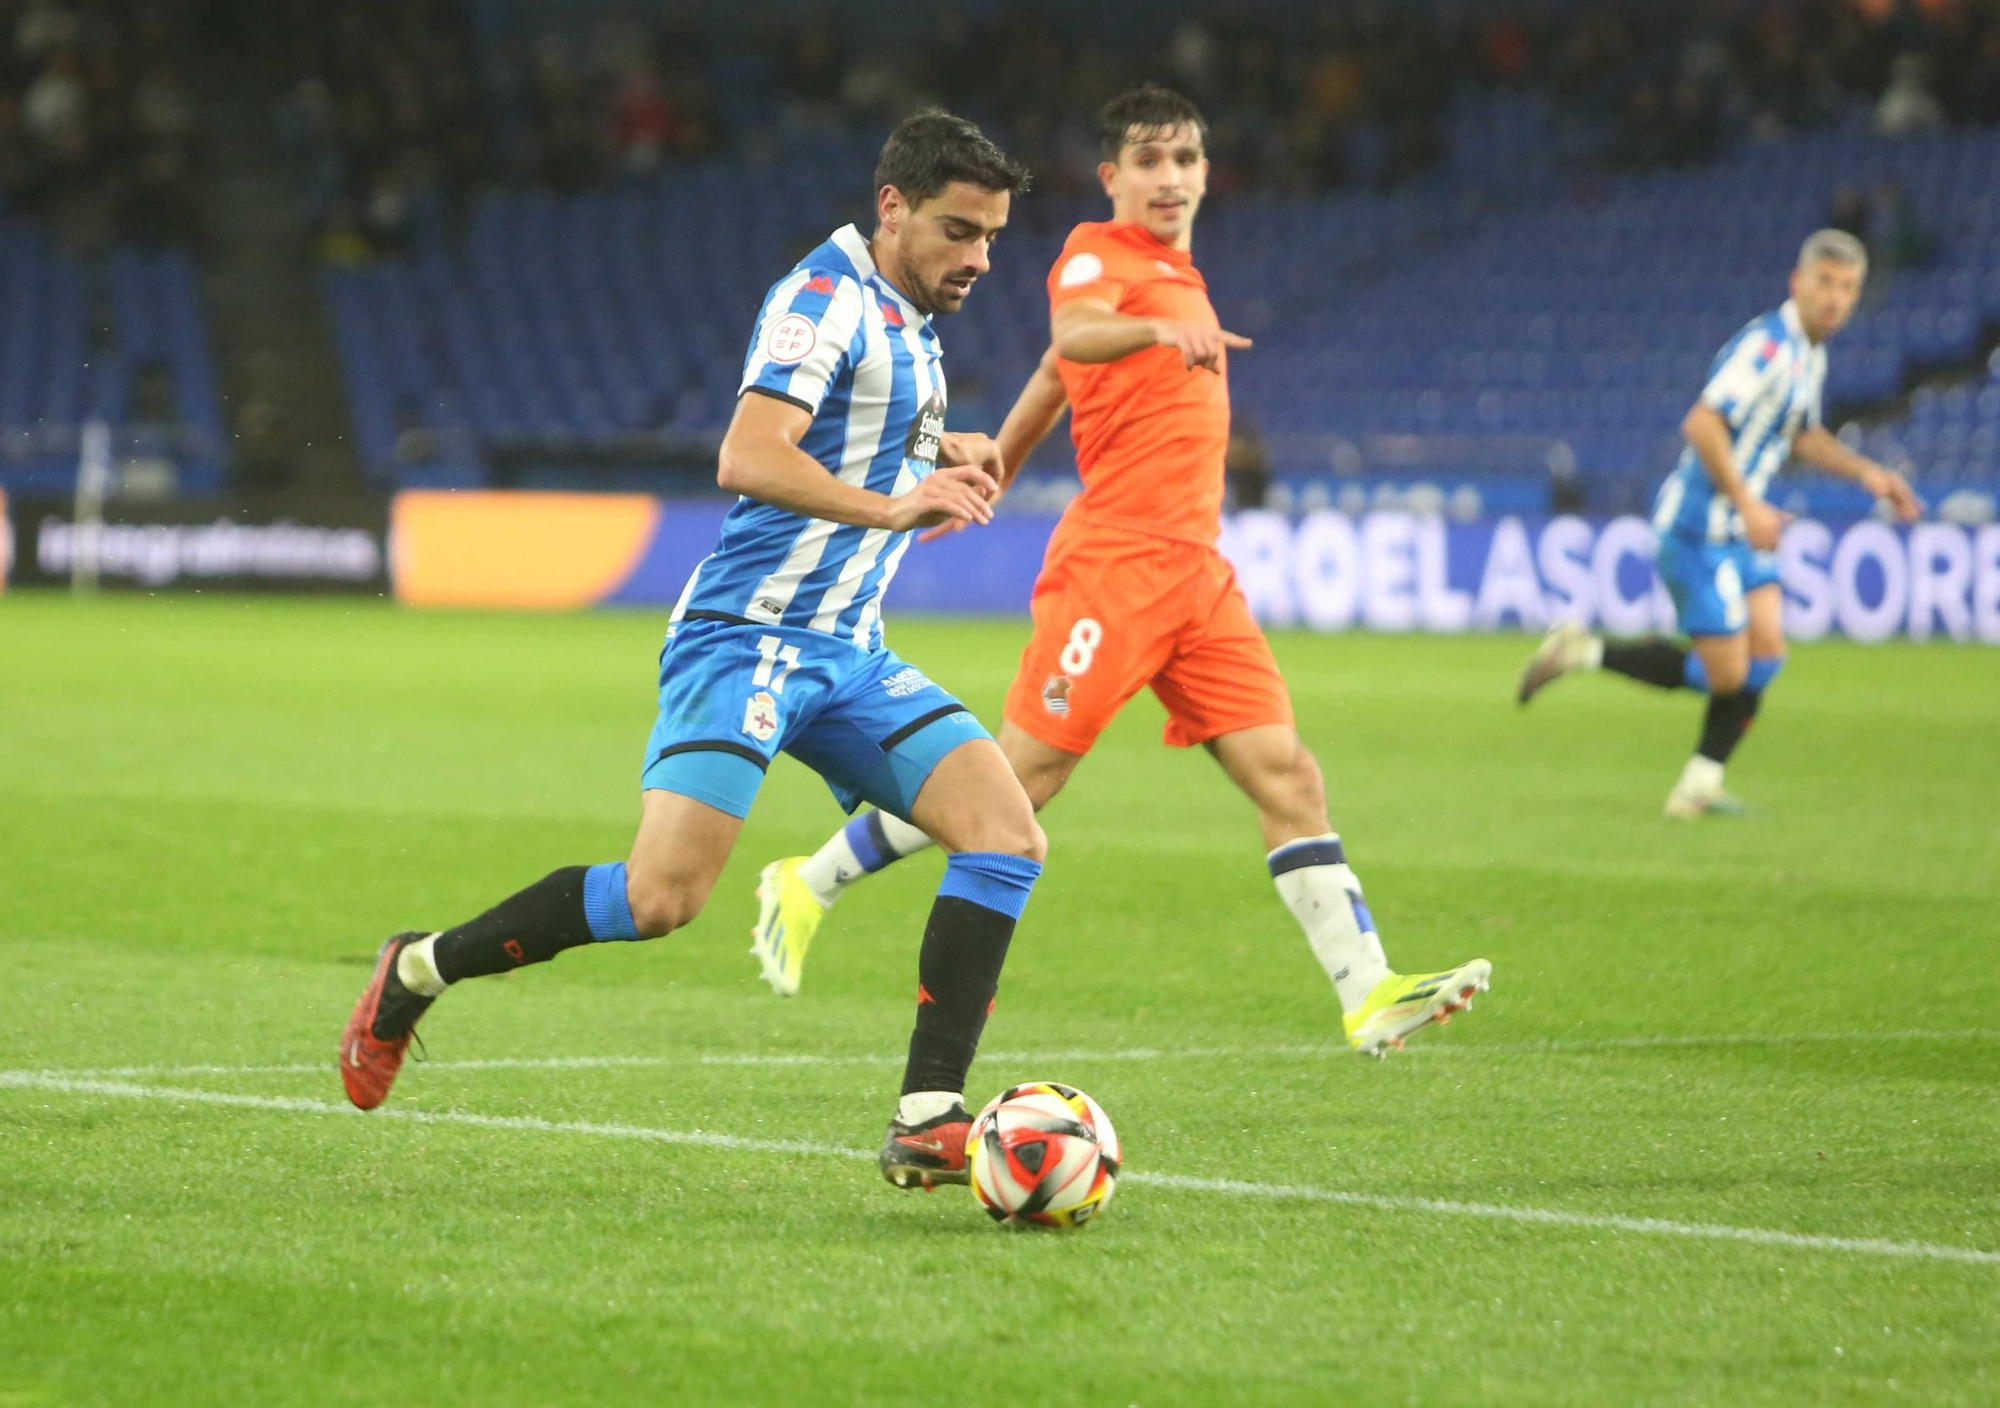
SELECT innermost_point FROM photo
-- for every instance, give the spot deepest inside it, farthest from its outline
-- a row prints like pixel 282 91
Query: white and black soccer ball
pixel 1043 1153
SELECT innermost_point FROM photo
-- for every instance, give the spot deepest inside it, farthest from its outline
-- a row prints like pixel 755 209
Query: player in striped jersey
pixel 839 451
pixel 1718 539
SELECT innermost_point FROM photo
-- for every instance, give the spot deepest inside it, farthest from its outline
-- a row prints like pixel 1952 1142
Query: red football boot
pixel 925 1155
pixel 377 1035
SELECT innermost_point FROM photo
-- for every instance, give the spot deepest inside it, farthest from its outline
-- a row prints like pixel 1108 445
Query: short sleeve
pixel 1083 272
pixel 1742 373
pixel 804 338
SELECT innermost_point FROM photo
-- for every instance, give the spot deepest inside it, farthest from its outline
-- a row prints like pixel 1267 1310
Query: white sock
pixel 829 870
pixel 1324 899
pixel 417 966
pixel 1702 776
pixel 1593 654
pixel 921 1105
pixel 904 839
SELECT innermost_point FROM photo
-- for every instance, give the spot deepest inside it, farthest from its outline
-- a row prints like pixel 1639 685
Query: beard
pixel 930 299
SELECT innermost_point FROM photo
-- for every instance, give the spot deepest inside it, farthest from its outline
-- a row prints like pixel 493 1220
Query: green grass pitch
pixel 1725 1131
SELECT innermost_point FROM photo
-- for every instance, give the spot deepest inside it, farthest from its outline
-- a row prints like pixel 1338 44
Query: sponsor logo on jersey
pixel 926 434
pixel 760 717
pixel 790 339
pixel 905 682
pixel 1055 694
pixel 891 314
pixel 819 283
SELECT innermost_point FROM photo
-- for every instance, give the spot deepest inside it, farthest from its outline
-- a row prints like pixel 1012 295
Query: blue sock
pixel 1695 673
pixel 1763 670
pixel 866 840
pixel 605 907
pixel 1313 850
pixel 991 880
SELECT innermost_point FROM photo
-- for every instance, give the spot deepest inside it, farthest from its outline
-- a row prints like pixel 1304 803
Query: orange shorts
pixel 1116 610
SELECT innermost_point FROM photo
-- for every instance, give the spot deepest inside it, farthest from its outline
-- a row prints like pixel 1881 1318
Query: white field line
pixel 1555 1046
pixel 1227 1187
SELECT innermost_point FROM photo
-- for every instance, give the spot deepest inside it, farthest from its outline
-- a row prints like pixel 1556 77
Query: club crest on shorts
pixel 760 716
pixel 1055 694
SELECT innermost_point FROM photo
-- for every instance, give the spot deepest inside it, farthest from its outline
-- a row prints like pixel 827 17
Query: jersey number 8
pixel 1084 638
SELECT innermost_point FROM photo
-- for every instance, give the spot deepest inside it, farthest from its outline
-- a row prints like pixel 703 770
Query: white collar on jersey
pixel 851 242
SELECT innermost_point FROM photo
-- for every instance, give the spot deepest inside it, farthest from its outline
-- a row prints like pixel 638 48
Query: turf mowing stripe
pixel 1552 1046
pixel 1546 1217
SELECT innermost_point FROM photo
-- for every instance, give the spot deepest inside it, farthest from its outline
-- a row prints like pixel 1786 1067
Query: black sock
pixel 958 973
pixel 1728 717
pixel 1651 661
pixel 530 927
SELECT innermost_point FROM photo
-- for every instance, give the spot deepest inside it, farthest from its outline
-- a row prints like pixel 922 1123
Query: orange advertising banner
pixel 514 550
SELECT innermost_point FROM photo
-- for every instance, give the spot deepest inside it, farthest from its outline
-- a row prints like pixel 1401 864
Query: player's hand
pixel 951 525
pixel 961 493
pixel 1199 346
pixel 1888 484
pixel 1763 525
pixel 970 447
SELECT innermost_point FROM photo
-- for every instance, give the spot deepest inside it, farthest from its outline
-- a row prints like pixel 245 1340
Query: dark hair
pixel 1147 111
pixel 931 149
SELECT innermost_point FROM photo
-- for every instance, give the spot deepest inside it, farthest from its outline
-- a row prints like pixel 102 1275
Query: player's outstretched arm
pixel 1819 446
pixel 1708 433
pixel 1034 414
pixel 1091 330
pixel 1036 410
pixel 761 460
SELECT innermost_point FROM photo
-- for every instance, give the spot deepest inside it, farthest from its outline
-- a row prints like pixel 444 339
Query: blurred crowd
pixel 384 112
pixel 97 119
pixel 1302 99
pixel 395 107
pixel 390 108
pixel 396 100
pixel 1705 77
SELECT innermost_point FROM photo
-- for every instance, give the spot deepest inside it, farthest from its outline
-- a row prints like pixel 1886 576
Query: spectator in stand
pixel 56 109
pixel 644 125
pixel 1907 105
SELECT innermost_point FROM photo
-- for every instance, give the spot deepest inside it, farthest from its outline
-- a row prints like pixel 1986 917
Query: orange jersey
pixel 1150 434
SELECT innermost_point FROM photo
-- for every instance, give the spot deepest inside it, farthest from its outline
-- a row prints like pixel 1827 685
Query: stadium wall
pixel 1384 571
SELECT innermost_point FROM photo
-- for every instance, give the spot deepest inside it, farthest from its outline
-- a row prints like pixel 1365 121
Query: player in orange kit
pixel 1133 591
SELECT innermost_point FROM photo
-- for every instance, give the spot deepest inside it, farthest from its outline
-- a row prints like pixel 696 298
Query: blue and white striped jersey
pixel 1766 382
pixel 837 339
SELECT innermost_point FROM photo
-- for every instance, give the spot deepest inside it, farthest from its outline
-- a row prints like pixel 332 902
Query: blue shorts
pixel 1709 581
pixel 732 697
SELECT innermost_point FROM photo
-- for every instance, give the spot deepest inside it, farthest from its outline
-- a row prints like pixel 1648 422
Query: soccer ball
pixel 1043 1153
